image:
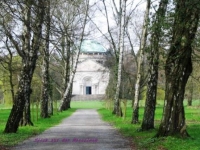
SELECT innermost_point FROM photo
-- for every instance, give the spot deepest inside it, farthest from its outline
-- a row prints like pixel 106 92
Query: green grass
pixel 39 124
pixel 144 140
pixel 27 131
pixel 87 104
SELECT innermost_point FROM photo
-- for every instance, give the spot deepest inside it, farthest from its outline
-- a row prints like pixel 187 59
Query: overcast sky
pixel 100 19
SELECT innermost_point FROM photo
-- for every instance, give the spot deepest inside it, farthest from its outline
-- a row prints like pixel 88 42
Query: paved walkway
pixel 83 130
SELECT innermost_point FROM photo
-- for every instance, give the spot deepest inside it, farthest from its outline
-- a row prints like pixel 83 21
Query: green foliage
pixel 145 140
pixel 160 94
pixel 109 104
pixel 110 90
pixel 9 64
pixel 36 86
pixel 128 77
pixel 8 98
pixel 143 93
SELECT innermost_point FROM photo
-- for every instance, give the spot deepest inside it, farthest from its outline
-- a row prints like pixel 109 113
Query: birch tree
pixel 179 67
pixel 29 55
pixel 113 38
pixel 65 102
pixel 135 114
pixel 156 34
pixel 111 88
pixel 46 97
pixel 67 34
pixel 117 109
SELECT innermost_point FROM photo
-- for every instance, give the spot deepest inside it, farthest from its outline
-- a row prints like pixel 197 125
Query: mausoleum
pixel 91 77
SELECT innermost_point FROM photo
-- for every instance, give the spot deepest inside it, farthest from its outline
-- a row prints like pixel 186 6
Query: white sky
pixel 100 19
pixel 100 15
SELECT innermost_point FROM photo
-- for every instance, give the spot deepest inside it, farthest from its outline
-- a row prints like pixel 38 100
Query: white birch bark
pixel 117 110
pixel 64 100
pixel 135 115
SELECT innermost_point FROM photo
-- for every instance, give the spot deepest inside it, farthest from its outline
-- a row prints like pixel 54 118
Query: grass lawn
pixel 87 104
pixel 40 125
pixel 144 140
pixel 27 131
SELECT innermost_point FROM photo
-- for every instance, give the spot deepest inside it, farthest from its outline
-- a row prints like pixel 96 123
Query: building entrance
pixel 88 90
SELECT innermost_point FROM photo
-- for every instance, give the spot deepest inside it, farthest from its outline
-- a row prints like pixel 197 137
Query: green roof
pixel 90 46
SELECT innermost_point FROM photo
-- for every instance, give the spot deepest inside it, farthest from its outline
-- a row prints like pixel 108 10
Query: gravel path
pixel 83 130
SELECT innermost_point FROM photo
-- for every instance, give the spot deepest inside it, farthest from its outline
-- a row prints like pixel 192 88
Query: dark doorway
pixel 88 90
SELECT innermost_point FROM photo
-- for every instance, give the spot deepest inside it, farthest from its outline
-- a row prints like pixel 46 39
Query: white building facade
pixel 91 77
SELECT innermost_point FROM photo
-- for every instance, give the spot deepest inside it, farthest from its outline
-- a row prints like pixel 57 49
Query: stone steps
pixel 88 97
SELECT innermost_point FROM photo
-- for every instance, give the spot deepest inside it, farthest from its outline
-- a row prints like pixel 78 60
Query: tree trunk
pixel 150 104
pixel 26 118
pixel 65 102
pixel 135 114
pixel 66 74
pixel 66 53
pixel 45 87
pixel 178 68
pixel 29 57
pixel 45 71
pixel 18 106
pixel 50 107
pixel 117 108
pixel 66 105
pixel 21 104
